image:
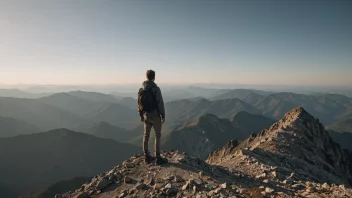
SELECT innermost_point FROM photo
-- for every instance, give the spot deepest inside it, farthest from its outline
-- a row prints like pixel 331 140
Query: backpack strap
pixel 139 101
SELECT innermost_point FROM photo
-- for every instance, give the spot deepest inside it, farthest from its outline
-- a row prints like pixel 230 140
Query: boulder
pixel 103 183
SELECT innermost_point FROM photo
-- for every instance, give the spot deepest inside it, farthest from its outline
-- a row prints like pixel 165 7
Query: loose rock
pixel 269 190
pixel 127 180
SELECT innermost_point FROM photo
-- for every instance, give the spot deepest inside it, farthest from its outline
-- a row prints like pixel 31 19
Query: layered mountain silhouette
pixel 115 114
pixel 128 102
pixel 39 114
pixel 250 96
pixel 69 103
pixel 94 96
pixel 11 127
pixel 90 109
pixel 327 108
pixel 294 157
pixel 76 109
pixel 206 92
pixel 41 159
pixel 190 109
pixel 19 94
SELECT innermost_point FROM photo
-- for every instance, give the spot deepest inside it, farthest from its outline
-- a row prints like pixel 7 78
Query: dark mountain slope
pixel 44 158
pixel 250 123
pixel 58 188
pixel 7 192
pixel 344 139
pixel 11 127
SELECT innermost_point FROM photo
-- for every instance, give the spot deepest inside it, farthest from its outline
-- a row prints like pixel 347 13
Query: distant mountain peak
pixel 298 112
pixel 101 123
pixel 295 118
pixel 242 115
pixel 209 117
pixel 61 131
pixel 204 119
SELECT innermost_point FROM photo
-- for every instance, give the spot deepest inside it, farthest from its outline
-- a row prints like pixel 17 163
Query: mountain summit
pixel 296 146
pixel 295 157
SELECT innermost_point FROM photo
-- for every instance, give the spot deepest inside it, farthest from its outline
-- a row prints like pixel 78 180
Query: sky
pixel 192 41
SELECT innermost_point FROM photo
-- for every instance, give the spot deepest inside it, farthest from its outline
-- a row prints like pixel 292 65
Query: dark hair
pixel 150 74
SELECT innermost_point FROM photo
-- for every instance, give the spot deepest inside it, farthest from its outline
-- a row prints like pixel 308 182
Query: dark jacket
pixel 160 111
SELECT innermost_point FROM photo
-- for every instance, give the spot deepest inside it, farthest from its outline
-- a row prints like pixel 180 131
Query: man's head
pixel 151 75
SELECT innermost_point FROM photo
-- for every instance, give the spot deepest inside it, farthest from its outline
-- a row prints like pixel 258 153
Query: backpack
pixel 146 100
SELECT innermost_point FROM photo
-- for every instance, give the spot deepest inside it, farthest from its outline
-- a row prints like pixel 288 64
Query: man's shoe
pixel 160 161
pixel 148 159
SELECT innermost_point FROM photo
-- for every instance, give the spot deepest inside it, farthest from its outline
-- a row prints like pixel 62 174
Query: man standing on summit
pixel 152 113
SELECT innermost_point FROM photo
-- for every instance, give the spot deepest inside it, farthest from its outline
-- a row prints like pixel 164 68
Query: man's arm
pixel 139 108
pixel 160 102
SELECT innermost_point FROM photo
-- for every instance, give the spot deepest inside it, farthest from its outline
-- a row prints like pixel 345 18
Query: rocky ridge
pixel 295 157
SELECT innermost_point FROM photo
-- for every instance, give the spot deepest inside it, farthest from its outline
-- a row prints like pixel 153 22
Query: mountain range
pixel 78 108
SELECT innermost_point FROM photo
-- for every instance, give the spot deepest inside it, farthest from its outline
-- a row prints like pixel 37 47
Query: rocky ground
pixel 187 176
pixel 293 158
pixel 183 176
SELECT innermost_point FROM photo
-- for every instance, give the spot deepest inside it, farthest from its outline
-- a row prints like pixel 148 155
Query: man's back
pixel 157 109
pixel 152 112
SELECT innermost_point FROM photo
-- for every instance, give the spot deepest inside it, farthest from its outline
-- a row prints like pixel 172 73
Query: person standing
pixel 152 112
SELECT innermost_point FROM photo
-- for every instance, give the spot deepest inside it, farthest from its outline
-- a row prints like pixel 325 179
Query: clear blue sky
pixel 194 41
